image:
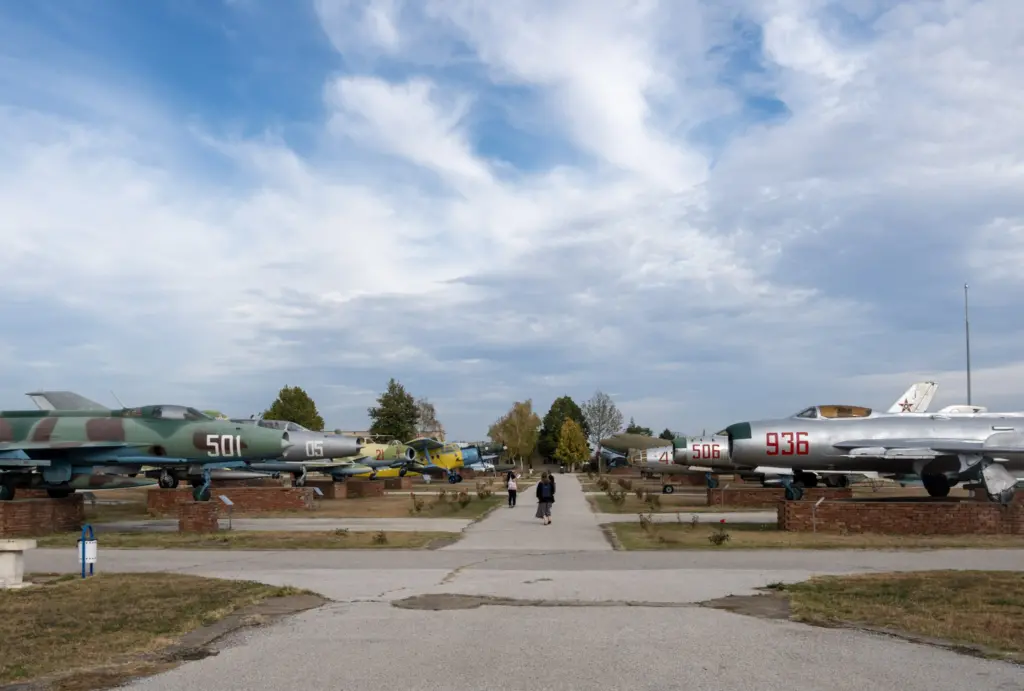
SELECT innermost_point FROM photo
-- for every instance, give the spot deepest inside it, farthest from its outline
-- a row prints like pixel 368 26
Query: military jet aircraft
pixel 710 453
pixel 49 449
pixel 942 450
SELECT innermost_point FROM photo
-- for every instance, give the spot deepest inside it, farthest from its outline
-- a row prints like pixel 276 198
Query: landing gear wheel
pixel 711 480
pixel 298 480
pixel 794 493
pixel 936 485
pixel 167 481
pixel 201 494
pixel 452 480
pixel 667 489
pixel 59 493
pixel 807 479
pixel 6 493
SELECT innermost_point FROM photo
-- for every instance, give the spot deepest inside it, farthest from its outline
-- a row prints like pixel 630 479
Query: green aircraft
pixel 51 449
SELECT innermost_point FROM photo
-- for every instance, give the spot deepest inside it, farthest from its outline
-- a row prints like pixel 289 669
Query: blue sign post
pixel 87 549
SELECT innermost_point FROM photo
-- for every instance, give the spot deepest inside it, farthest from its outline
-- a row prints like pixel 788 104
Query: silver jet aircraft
pixel 310 450
pixel 941 449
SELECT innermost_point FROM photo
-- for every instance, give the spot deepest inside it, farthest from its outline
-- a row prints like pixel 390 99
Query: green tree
pixel 572 444
pixel 294 405
pixel 396 414
pixel 603 420
pixel 634 428
pixel 563 408
pixel 667 435
pixel 518 430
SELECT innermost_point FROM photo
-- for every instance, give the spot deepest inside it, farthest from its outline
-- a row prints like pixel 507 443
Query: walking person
pixel 512 489
pixel 545 498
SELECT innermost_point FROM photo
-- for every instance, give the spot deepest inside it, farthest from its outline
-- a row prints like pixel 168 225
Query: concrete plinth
pixel 198 517
pixel 12 562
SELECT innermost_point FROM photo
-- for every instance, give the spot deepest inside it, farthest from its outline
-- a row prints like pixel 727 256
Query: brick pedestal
pixel 329 488
pixel 933 517
pixel 769 497
pixel 198 517
pixel 21 493
pixel 363 489
pixel 396 483
pixel 252 482
pixel 30 517
pixel 164 502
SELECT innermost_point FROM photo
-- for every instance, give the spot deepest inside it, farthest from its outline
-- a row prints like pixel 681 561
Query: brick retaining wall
pixel 30 517
pixel 769 497
pixel 363 489
pixel 165 502
pixel 934 517
pixel 396 483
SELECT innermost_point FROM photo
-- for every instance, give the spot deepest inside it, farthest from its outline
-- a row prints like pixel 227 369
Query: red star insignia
pixel 906 406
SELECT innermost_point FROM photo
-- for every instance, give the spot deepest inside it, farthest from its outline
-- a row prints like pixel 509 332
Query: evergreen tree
pixel 396 414
pixel 667 435
pixel 563 408
pixel 294 405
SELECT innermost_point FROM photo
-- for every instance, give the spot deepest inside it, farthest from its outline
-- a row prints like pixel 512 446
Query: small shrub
pixel 417 504
pixel 603 484
pixel 720 536
pixel 625 483
pixel 380 538
pixel 482 490
pixel 618 497
pixel 464 499
pixel 694 521
pixel 639 492
pixel 341 532
pixel 654 502
pixel 646 522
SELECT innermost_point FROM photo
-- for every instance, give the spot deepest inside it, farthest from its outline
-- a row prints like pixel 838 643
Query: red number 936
pixel 787 443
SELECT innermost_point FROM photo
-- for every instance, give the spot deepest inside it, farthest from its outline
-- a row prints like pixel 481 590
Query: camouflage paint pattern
pixel 171 432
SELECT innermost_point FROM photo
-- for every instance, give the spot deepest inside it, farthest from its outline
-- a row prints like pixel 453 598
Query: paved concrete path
pixel 574 527
pixel 354 639
pixel 398 525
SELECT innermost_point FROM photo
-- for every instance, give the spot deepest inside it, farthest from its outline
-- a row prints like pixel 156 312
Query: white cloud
pixel 609 242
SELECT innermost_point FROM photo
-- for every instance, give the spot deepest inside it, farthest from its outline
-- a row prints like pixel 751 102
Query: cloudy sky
pixel 712 210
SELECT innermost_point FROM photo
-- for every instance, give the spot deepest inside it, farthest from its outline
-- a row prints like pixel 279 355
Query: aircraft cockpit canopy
pixel 832 412
pixel 283 425
pixel 167 412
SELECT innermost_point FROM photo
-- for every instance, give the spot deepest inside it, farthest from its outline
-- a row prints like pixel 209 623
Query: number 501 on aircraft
pixel 224 445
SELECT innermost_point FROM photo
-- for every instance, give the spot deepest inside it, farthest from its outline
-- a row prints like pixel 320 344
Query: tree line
pixel 560 436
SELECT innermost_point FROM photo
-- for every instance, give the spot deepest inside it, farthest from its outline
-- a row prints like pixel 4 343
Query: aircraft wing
pixel 72 450
pixel 424 445
pixel 922 448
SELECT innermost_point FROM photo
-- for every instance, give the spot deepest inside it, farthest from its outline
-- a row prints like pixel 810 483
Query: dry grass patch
pixel 980 608
pixel 685 535
pixel 660 503
pixel 97 622
pixel 259 539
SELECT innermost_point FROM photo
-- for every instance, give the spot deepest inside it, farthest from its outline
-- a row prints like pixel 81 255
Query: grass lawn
pixel 666 536
pixel 258 539
pixel 667 503
pixel 984 608
pixel 109 620
pixel 388 506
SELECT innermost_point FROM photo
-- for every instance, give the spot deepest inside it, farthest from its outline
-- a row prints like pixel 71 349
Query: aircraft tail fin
pixel 916 399
pixel 63 400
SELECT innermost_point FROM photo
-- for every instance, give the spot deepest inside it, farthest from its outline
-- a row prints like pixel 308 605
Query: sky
pixel 712 210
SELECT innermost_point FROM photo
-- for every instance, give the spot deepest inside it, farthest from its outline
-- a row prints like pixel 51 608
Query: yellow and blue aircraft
pixel 421 456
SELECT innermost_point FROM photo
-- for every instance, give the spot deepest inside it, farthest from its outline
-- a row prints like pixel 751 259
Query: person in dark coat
pixel 545 497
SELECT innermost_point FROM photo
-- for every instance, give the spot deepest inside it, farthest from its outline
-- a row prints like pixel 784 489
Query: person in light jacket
pixel 512 489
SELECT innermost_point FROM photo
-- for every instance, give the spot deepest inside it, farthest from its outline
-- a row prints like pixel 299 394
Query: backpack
pixel 545 491
pixel 512 484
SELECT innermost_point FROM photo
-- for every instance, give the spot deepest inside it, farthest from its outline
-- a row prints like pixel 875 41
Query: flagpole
pixel 967 334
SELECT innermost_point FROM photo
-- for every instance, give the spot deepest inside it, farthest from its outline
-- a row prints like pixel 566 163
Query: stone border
pixel 608 530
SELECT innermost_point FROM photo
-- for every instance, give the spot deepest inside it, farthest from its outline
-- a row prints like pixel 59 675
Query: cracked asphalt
pixel 595 617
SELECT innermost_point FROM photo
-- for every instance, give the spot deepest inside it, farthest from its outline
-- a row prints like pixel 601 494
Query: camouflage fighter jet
pixel 51 449
pixel 941 449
